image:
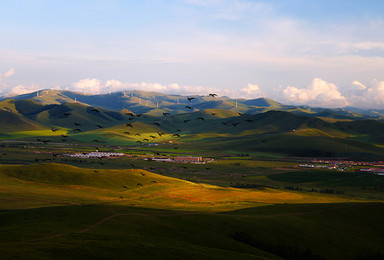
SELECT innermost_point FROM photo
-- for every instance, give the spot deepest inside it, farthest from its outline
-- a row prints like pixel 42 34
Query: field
pixel 252 206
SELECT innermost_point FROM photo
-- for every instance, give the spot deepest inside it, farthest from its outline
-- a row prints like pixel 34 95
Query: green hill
pixel 11 122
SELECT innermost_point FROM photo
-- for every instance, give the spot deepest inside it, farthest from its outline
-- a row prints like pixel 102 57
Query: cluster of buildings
pixel 94 155
pixel 182 159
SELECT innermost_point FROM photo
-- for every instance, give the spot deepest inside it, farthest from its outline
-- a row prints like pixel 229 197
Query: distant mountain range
pixel 137 118
pixel 154 103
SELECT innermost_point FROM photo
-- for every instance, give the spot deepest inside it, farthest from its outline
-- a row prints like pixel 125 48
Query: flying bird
pixel 125 187
pixel 213 114
pixel 213 95
pixel 160 133
pixel 99 126
pixel 130 114
pixel 224 123
pixel 156 124
pixel 190 98
pixel 94 110
pixel 154 137
pixel 127 133
pixel 67 114
pixel 178 130
pixel 235 124
pixel 201 118
pixel 65 136
pixel 176 135
pixel 138 134
pixel 186 120
pixel 130 119
pixel 145 139
pixel 139 115
pixel 188 107
pixel 77 124
pixel 139 142
pixel 54 129
pixel 248 120
pixel 129 124
pixel 76 130
pixel 165 114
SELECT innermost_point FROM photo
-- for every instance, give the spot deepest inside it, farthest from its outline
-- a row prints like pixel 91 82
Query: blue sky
pixel 320 53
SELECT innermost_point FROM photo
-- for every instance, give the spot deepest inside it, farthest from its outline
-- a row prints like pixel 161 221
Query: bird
pixel 138 134
pixel 63 140
pixel 124 187
pixel 45 141
pixel 128 124
pixel 176 135
pixel 99 126
pixel 65 136
pixel 154 137
pixel 165 114
pixel 201 118
pixel 121 197
pixel 213 114
pixel 139 185
pixel 95 140
pixel 235 124
pixel 178 130
pixel 145 139
pixel 54 129
pixel 186 120
pixel 94 110
pixel 142 174
pixel 213 95
pixel 77 124
pixel 67 114
pixel 139 142
pixel 188 107
pixel 248 120
pixel 224 123
pixel 139 115
pixel 156 124
pixel 130 114
pixel 55 154
pixel 130 119
pixel 76 130
pixel 185 167
pixel 190 98
pixel 95 171
pixel 240 114
pixel 127 133
pixel 160 133
pixel 132 165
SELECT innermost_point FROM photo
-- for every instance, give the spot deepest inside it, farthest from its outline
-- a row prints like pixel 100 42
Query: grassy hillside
pixel 11 122
pixel 68 212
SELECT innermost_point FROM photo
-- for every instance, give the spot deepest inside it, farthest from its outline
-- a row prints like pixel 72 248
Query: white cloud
pixel 318 93
pixel 20 90
pixel 359 85
pixel 9 73
pixel 88 86
pixel 252 91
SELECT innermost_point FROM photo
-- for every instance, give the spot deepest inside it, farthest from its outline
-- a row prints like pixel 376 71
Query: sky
pixel 327 53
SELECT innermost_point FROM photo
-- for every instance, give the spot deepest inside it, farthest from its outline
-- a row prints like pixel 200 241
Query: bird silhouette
pixel 138 134
pixel 213 114
pixel 54 129
pixel 248 120
pixel 142 174
pixel 65 136
pixel 165 114
pixel 176 135
pixel 77 124
pixel 130 119
pixel 160 133
pixel 95 110
pixel 67 114
pixel 213 95
pixel 145 139
pixel 188 107
pixel 224 123
pixel 130 114
pixel 201 118
pixel 190 99
pixel 178 130
pixel 76 130
pixel 186 120
pixel 127 133
pixel 95 140
pixel 132 165
pixel 235 124
pixel 154 137
pixel 139 115
pixel 139 142
pixel 240 114
pixel 125 187
pixel 128 124
pixel 156 124
pixel 99 126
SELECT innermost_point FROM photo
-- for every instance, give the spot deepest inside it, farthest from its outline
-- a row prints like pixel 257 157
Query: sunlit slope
pixel 56 184
pixel 11 122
